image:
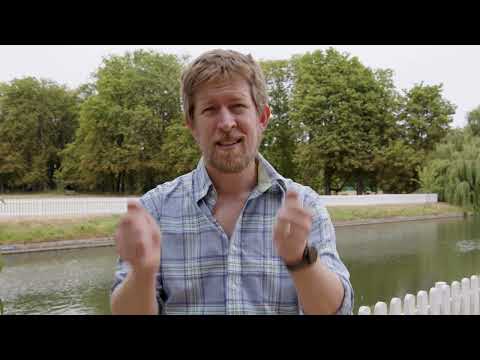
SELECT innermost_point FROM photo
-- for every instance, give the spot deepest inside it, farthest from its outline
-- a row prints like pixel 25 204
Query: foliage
pixel 37 119
pixel 453 170
pixel 123 121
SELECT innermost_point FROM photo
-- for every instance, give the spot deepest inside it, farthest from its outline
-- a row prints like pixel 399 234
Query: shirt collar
pixel 267 177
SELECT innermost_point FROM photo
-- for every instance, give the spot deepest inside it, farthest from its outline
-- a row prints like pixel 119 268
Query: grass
pixel 347 213
pixel 42 229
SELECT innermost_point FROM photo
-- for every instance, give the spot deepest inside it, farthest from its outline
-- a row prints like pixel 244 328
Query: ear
pixel 191 127
pixel 265 117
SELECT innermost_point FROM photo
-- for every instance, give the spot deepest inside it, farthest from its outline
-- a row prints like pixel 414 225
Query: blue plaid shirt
pixel 202 271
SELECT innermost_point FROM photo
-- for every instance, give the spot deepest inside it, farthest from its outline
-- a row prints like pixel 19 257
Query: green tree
pixel 425 116
pixel 453 170
pixel 346 113
pixel 37 119
pixel 397 168
pixel 123 120
pixel 473 118
pixel 279 142
pixel 180 153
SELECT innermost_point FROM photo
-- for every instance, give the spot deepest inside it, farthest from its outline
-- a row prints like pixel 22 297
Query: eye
pixel 239 107
pixel 208 110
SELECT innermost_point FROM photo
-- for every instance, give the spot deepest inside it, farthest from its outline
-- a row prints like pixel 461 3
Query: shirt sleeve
pixel 323 239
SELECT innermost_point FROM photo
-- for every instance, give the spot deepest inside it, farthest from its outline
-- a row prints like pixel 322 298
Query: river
pixel 384 260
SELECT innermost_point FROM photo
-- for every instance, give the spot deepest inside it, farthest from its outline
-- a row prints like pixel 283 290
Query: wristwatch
pixel 309 257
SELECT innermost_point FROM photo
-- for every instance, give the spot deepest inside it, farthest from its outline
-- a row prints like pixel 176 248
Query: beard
pixel 235 160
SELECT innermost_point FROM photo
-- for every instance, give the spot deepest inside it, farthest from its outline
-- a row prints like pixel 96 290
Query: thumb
pixel 133 205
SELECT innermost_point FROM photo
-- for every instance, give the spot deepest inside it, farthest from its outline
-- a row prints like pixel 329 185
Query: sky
pixel 454 66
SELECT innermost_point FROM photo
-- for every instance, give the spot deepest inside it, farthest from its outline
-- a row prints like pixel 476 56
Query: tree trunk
pixel 328 182
pixel 360 185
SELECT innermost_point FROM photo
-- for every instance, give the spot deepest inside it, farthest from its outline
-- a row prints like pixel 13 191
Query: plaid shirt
pixel 202 271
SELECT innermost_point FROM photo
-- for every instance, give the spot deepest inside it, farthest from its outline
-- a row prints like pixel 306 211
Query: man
pixel 233 236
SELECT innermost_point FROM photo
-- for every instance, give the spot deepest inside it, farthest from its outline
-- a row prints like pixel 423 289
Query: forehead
pixel 235 87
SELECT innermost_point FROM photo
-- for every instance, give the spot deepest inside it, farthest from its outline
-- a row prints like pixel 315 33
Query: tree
pixel 346 113
pixel 180 153
pixel 37 119
pixel 397 167
pixel 123 120
pixel 425 116
pixel 279 141
pixel 453 170
pixel 473 118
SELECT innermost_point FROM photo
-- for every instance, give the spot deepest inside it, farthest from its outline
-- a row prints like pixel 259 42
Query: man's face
pixel 226 125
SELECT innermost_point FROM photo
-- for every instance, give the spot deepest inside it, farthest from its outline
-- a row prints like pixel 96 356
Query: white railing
pixel 62 207
pixel 461 298
pixel 381 199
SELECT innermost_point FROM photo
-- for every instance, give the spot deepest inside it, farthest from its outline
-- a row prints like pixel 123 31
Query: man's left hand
pixel 292 229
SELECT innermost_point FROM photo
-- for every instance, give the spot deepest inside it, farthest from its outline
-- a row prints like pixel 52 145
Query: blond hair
pixel 222 64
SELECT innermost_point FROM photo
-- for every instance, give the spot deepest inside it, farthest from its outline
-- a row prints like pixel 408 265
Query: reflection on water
pixel 469 245
pixel 390 260
pixel 58 282
pixel 384 260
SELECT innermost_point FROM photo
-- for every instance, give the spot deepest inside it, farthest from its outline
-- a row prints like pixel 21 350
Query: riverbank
pixel 28 235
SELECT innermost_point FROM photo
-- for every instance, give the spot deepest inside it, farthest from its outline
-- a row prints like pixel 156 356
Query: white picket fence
pixel 62 207
pixel 461 298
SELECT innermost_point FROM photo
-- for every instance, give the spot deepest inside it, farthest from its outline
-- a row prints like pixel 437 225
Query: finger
pixel 300 232
pixel 156 235
pixel 131 233
pixel 134 205
pixel 282 225
pixel 292 199
pixel 297 215
pixel 300 221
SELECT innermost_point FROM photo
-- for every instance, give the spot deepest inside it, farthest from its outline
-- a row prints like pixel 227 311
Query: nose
pixel 226 120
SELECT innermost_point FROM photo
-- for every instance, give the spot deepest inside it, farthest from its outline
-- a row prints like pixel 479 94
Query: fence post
pixel 465 297
pixel 445 300
pixel 422 302
pixel 475 298
pixel 364 310
pixel 395 306
pixel 455 298
pixel 409 305
pixel 434 299
pixel 380 309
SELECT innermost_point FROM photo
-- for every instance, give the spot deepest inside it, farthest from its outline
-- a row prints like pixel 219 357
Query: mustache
pixel 229 138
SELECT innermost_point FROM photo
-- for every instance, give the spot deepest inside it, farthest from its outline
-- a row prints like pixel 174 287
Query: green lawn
pixel 346 213
pixel 29 231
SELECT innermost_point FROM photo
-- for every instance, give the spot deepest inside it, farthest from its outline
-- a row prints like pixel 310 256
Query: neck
pixel 234 184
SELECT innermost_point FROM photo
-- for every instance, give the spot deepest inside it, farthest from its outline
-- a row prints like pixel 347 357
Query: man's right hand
pixel 138 240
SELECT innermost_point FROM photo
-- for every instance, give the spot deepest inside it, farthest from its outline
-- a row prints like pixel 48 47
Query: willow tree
pixel 473 119
pixel 453 170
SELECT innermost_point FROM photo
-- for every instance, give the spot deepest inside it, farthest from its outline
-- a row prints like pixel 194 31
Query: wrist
pixel 308 258
pixel 142 276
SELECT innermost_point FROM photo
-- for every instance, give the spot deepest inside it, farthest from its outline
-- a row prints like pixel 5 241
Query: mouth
pixel 228 144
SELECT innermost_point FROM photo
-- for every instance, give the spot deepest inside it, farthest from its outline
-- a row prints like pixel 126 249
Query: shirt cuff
pixel 347 303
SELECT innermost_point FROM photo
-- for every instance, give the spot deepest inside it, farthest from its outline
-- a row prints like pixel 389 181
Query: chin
pixel 231 166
